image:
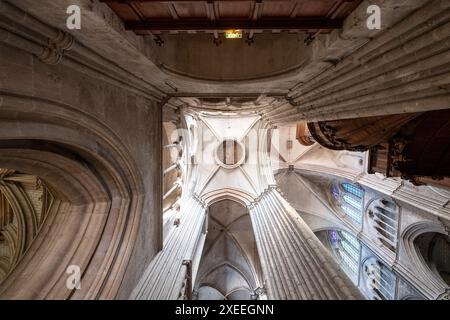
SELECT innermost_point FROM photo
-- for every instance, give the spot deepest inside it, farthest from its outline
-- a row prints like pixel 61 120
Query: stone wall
pixel 106 127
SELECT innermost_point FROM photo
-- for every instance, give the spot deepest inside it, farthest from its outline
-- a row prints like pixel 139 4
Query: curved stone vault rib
pixel 25 204
pixel 229 244
pixel 87 167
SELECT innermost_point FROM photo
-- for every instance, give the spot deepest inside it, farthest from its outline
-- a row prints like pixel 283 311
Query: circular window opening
pixel 230 153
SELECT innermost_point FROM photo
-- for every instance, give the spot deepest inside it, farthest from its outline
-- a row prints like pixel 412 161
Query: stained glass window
pixel 334 238
pixel 353 189
pixel 352 201
pixel 347 248
pixel 335 192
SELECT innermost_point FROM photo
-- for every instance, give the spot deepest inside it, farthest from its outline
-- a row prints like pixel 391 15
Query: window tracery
pixel 379 279
pixel 350 199
pixel 348 251
pixel 383 217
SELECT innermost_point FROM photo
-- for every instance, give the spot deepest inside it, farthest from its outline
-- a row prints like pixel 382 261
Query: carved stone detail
pixel 55 49
pixel 444 296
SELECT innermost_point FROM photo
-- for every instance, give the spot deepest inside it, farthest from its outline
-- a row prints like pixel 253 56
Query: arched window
pixel 347 249
pixel 380 280
pixel 353 189
pixel 351 200
pixel 383 217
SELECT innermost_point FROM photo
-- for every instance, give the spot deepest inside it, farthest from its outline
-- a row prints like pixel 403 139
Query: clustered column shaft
pixel 164 277
pixel 295 264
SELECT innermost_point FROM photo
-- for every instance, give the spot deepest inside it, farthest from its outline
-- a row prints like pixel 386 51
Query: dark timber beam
pixel 187 1
pixel 226 24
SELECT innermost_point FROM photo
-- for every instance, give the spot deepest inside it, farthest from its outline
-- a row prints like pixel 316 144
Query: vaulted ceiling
pixel 230 266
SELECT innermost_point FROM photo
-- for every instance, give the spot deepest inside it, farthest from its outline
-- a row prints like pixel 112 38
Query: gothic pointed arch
pixel 94 225
pixel 432 283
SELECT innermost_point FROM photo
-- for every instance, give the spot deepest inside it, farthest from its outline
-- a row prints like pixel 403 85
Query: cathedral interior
pixel 225 150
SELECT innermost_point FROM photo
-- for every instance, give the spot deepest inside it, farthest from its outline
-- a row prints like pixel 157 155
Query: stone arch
pixel 211 291
pixel 240 196
pixel 433 286
pixel 24 204
pixel 235 292
pixel 229 244
pixel 220 266
pixel 100 191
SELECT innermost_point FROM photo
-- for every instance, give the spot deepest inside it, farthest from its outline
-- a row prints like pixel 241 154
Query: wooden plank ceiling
pixel 154 17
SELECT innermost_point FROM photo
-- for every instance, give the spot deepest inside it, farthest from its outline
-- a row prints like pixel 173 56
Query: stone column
pixel 165 276
pixel 295 263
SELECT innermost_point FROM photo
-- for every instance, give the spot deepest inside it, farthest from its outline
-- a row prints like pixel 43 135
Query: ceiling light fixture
pixel 233 34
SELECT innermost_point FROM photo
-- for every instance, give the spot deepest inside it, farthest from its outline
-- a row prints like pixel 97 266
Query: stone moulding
pixel 428 282
pixel 56 48
pixel 53 46
pixel 95 226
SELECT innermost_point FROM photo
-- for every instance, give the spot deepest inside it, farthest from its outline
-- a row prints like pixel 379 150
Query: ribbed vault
pixel 230 262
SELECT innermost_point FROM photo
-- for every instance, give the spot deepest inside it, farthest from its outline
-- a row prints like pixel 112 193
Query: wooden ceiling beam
pixel 187 1
pixel 304 23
